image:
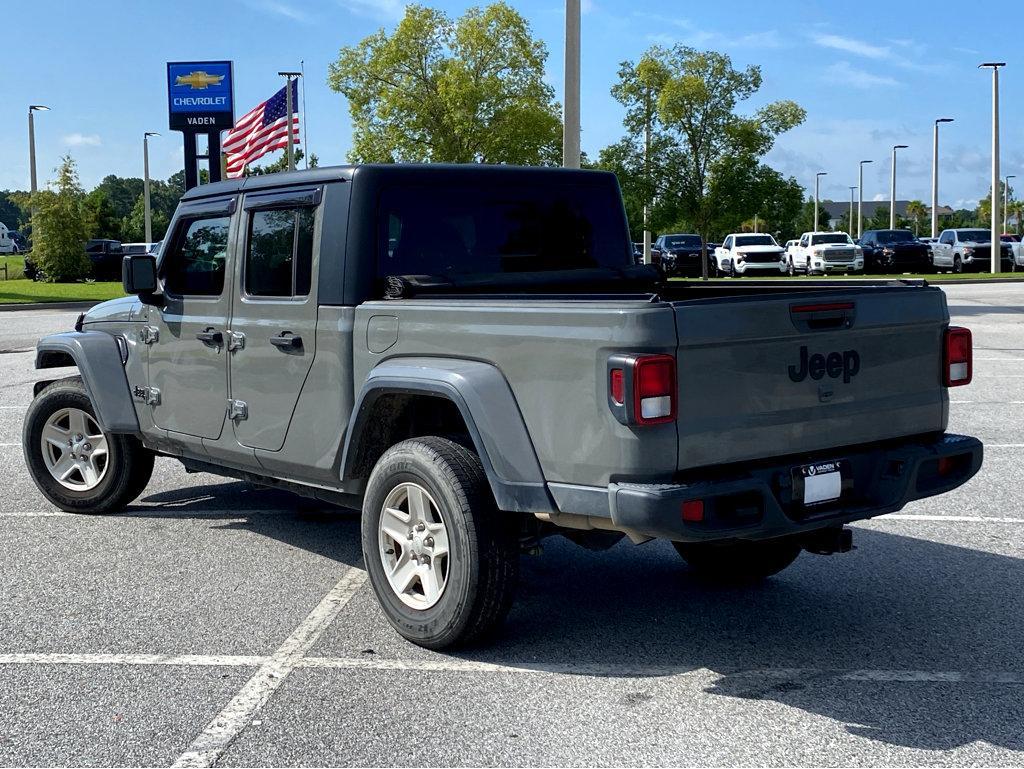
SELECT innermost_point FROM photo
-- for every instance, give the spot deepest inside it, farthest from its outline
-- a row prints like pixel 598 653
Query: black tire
pixel 483 562
pixel 738 562
pixel 129 463
pixel 958 265
pixel 792 268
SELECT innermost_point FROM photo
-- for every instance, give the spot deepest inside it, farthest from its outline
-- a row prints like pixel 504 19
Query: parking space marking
pixel 944 518
pixel 175 511
pixel 238 714
pixel 456 665
pixel 186 660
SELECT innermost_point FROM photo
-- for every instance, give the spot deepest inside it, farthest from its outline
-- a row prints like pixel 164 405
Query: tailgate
pixel 799 372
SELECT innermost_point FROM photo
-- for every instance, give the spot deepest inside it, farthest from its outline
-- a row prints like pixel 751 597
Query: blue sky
pixel 870 74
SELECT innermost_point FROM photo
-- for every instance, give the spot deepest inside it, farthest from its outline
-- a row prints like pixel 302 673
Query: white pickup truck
pixel 825 252
pixel 744 252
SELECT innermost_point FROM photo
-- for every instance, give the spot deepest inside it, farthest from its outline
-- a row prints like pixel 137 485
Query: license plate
pixel 818 483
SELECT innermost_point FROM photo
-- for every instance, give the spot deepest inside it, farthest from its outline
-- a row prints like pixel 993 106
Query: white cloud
pixel 279 8
pixel 850 45
pixel 385 10
pixel 690 34
pixel 846 74
pixel 82 140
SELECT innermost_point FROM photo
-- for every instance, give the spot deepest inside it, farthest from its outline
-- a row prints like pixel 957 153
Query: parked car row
pixel 104 256
pixel 823 253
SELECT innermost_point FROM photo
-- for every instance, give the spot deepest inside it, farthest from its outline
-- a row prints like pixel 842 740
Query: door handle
pixel 287 341
pixel 211 337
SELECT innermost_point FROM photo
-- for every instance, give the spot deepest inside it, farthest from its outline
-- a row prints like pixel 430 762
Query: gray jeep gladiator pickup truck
pixel 470 355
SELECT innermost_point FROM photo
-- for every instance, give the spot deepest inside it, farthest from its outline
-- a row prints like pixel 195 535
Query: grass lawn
pixel 24 291
pixel 14 264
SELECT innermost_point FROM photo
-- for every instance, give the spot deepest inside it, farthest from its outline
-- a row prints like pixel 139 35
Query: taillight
pixel 957 365
pixel 642 388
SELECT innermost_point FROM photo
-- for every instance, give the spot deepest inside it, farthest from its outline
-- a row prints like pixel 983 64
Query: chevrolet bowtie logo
pixel 198 80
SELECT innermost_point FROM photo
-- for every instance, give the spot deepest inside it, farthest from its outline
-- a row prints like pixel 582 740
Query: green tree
pixel 59 226
pixel 438 90
pixel 281 164
pixel 708 175
pixel 122 193
pixel 879 220
pixel 916 211
pixel 101 219
pixel 163 199
pixel 11 213
pixel 805 218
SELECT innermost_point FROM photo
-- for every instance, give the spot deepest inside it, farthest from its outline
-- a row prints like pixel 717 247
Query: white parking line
pixel 193 660
pixel 229 723
pixel 946 518
pixel 457 665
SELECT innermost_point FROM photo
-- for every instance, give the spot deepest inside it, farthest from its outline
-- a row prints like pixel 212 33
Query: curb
pixel 974 281
pixel 49 306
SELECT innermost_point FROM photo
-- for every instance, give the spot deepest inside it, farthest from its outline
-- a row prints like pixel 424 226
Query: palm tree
pixel 915 210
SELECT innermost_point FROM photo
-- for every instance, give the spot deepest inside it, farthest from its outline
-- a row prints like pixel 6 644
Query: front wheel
pixel 958 265
pixel 791 268
pixel 74 463
pixel 738 562
pixel 442 559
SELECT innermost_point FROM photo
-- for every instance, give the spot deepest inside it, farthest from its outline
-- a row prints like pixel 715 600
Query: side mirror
pixel 138 274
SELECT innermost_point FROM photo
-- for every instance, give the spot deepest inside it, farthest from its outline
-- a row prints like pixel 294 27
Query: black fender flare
pixel 98 357
pixel 487 405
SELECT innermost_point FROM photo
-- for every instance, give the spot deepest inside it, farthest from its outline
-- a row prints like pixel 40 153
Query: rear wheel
pixel 738 562
pixel 442 559
pixel 76 465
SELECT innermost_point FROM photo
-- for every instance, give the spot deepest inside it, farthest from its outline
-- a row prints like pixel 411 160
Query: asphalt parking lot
pixel 218 623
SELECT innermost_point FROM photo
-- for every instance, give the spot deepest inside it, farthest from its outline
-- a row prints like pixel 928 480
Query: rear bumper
pixel 757 502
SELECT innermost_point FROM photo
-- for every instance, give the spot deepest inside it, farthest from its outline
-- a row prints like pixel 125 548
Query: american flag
pixel 261 130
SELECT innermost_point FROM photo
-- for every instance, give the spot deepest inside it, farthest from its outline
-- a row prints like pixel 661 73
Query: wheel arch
pixel 479 395
pixel 99 360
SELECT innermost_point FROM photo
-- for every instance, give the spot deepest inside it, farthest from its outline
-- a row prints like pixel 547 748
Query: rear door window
pixel 279 257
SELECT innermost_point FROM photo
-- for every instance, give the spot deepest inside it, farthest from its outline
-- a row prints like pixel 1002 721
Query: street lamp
pixel 860 199
pixel 571 111
pixel 145 182
pixel 817 178
pixel 892 187
pixel 32 140
pixel 935 174
pixel 1006 199
pixel 994 66
pixel 852 188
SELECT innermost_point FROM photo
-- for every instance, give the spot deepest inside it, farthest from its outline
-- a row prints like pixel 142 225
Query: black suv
pixel 894 251
pixel 105 257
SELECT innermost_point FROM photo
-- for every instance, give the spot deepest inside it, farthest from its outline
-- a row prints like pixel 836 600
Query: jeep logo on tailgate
pixel 835 364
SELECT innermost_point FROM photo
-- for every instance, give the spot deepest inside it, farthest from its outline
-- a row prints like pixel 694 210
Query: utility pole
pixel 571 126
pixel 995 250
pixel 935 174
pixel 817 178
pixel 852 188
pixel 1006 200
pixel 647 174
pixel 145 183
pixel 892 187
pixel 289 107
pixel 860 199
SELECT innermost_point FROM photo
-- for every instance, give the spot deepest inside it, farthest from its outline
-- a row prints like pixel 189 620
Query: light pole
pixel 892 187
pixel 817 178
pixel 145 183
pixel 32 142
pixel 289 106
pixel 935 174
pixel 994 66
pixel 852 188
pixel 571 127
pixel 1006 199
pixel 860 199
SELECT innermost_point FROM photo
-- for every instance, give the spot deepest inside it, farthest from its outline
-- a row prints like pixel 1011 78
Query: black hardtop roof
pixel 400 172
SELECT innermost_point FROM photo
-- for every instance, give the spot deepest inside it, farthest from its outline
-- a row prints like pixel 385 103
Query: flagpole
pixel 305 117
pixel 288 111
